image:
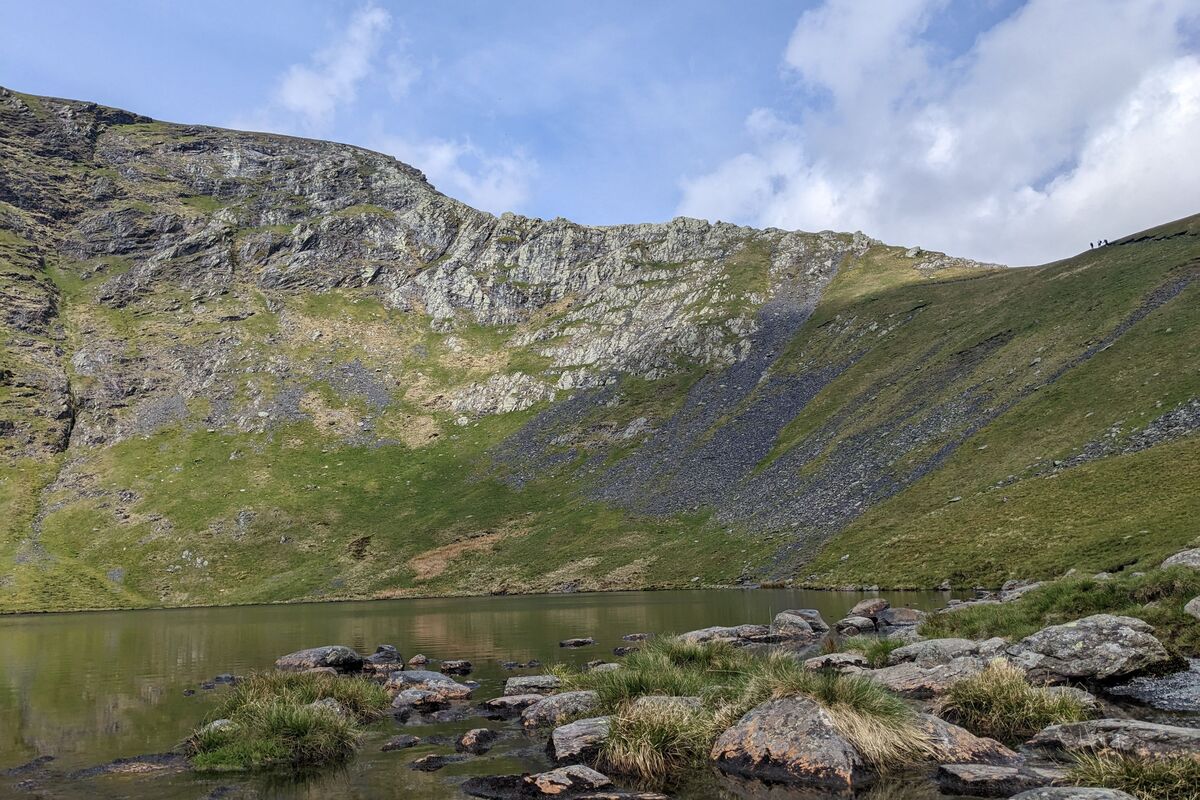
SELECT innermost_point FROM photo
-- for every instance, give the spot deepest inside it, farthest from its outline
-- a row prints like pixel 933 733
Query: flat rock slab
pixel 1123 736
pixel 335 656
pixel 575 781
pixel 513 704
pixel 983 780
pixel 434 762
pixel 400 743
pixel 791 741
pixel 839 662
pixel 557 709
pixel 584 641
pixel 427 680
pixel 917 682
pixel 899 617
pixel 532 684
pixel 579 740
pixel 749 634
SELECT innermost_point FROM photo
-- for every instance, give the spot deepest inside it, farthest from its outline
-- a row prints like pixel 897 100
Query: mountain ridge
pixel 203 323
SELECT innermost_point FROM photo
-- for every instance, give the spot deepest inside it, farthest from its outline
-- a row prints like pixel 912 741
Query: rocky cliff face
pixel 219 311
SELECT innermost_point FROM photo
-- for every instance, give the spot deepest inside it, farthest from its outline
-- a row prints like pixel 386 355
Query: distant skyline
pixel 1000 130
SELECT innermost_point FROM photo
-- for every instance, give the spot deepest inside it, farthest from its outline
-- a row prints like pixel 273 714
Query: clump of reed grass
pixel 1000 702
pixel 1145 779
pixel 876 649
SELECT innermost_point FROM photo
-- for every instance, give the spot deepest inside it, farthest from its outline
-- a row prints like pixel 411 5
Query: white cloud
pixel 315 90
pixel 495 183
pixel 1064 123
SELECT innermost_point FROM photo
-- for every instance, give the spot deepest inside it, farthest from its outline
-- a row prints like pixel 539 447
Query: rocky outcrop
pixel 1186 558
pixel 532 684
pixel 335 656
pixel 735 634
pixel 921 682
pixel 794 742
pixel 931 652
pixel 1101 647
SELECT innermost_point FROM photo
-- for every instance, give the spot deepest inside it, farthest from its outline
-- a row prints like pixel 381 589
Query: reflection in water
pixel 87 688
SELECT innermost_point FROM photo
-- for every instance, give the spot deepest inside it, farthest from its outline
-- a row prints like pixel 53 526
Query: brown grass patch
pixel 433 563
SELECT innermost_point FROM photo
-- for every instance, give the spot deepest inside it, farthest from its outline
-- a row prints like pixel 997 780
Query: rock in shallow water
pixel 335 656
pixel 579 740
pixel 791 741
pixel 556 709
pixel 476 741
pixel 532 684
pixel 981 780
pixel 575 781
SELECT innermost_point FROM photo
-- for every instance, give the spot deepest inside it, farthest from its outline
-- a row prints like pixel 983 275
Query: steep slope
pixel 240 367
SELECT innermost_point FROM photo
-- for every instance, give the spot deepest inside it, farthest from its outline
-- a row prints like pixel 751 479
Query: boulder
pixel 854 625
pixel 792 741
pixel 636 637
pixel 418 660
pixel 334 656
pixel 557 709
pixel 579 740
pixel 1192 608
pixel 457 666
pixel 839 662
pixel 917 682
pixel 1102 647
pixel 579 642
pixel 957 745
pixel 791 626
pixel 512 704
pixel 1187 558
pixel 384 658
pixel 434 762
pixel 436 682
pixel 1128 737
pixel 1073 793
pixel 813 617
pixel 423 700
pixel 476 741
pixel 904 633
pixel 869 608
pixel 737 634
pixel 984 780
pixel 532 684
pixel 400 743
pixel 572 778
pixel 931 652
pixel 899 617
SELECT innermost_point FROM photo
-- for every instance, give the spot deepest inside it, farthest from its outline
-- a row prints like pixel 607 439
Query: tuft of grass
pixel 1158 597
pixel 876 649
pixel 654 742
pixel 1161 779
pixel 274 725
pixel 1000 703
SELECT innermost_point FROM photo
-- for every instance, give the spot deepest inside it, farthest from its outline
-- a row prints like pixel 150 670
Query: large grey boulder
pixel 853 625
pixel 931 652
pixel 334 656
pixel 556 709
pixel 512 704
pixel 791 626
pixel 532 684
pixel 1129 737
pixel 1101 647
pixel 1187 558
pixel 790 741
pixel 899 617
pixel 869 608
pixel 1073 793
pixel 579 740
pixel 810 615
pixel 917 682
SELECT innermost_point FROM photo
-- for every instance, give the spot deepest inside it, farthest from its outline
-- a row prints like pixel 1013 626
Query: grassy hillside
pixel 244 368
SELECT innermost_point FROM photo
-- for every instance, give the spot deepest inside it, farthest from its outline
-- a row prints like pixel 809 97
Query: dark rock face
pixel 457 666
pixel 791 741
pixel 1101 647
pixel 1123 736
pixel 335 656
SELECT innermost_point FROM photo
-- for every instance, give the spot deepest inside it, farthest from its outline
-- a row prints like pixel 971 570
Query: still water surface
pixel 88 688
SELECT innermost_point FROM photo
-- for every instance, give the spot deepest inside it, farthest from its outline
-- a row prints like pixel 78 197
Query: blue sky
pixel 998 129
